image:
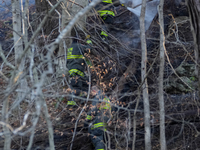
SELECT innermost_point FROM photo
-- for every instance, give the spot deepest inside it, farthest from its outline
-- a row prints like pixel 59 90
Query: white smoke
pixel 151 10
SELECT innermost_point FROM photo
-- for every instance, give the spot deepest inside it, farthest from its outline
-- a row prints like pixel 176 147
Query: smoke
pixel 151 10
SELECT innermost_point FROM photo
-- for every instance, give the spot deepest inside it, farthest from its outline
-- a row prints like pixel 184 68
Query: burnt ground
pixel 182 126
pixel 182 110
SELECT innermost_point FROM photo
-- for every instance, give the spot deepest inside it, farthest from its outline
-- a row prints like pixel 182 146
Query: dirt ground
pixel 182 110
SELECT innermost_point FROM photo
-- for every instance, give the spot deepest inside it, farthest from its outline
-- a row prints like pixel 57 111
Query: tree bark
pixel 25 22
pixel 161 75
pixel 17 28
pixel 49 125
pixel 7 141
pixel 18 50
pixel 143 78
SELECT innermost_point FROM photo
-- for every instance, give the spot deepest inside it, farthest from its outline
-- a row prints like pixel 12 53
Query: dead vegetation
pixel 182 110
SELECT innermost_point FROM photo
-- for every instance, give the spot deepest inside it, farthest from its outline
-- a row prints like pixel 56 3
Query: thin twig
pixel 37 31
pixel 4 58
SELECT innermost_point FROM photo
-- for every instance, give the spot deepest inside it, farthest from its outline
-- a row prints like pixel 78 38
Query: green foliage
pixel 193 78
pixel 88 62
pixel 10 35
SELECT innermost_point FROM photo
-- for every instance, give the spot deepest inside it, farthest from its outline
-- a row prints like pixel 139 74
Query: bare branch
pixel 143 75
pixel 4 58
pixel 37 31
pixel 71 24
pixel 161 76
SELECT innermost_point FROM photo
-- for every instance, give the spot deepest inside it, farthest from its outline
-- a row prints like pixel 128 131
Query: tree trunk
pixel 25 22
pixel 18 37
pixel 17 28
pixel 7 141
pixel 18 51
pixel 194 13
pixel 19 23
pixel 161 75
pixel 143 78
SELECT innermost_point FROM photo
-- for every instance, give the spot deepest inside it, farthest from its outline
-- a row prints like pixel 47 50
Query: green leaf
pixel 88 62
pixel 192 78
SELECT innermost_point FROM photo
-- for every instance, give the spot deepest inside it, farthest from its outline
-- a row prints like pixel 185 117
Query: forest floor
pixel 182 110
